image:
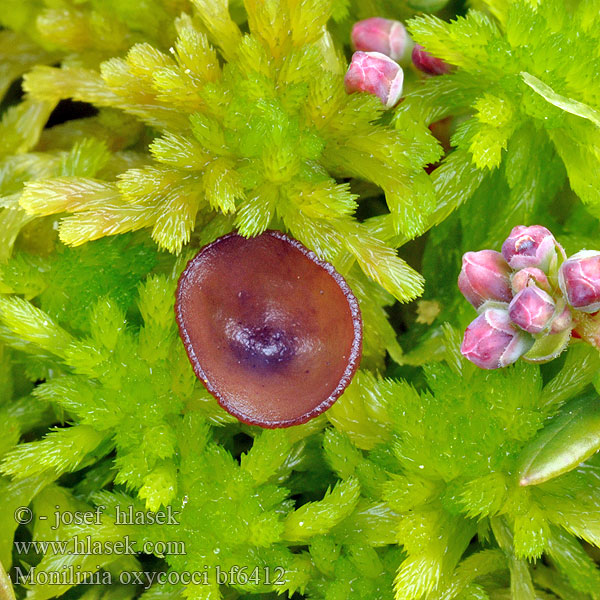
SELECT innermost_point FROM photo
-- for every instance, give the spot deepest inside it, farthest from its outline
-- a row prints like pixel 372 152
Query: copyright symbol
pixel 23 515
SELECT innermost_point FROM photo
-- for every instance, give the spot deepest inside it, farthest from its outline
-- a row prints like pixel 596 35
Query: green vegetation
pixel 205 116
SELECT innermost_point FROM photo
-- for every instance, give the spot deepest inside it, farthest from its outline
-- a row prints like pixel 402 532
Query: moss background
pixel 133 132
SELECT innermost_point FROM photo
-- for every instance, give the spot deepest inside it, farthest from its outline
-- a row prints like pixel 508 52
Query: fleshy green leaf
pixel 568 440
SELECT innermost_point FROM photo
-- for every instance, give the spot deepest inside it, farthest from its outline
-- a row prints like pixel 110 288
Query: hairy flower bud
pixel 579 280
pixel 491 341
pixel 530 276
pixel 427 63
pixel 531 246
pixel 382 35
pixel 376 74
pixel 532 309
pixel 484 276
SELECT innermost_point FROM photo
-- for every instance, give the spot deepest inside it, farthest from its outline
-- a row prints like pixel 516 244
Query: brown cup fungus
pixel 273 332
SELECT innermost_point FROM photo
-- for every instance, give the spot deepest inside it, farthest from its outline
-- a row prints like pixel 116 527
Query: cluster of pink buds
pixel 382 45
pixel 530 298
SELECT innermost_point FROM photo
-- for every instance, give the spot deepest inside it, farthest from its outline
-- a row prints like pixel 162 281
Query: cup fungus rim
pixel 352 361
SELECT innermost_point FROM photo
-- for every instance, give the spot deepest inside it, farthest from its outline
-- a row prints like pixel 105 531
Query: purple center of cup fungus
pixel 273 332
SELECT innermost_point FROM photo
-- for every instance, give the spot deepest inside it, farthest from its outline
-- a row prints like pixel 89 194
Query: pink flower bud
pixel 491 341
pixel 530 276
pixel 427 63
pixel 382 35
pixel 375 74
pixel 532 309
pixel 531 246
pixel 579 280
pixel 484 276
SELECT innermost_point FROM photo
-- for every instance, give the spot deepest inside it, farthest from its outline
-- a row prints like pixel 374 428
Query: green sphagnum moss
pixel 206 116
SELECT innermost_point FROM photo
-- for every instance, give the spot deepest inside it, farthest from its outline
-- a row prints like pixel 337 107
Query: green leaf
pixel 548 347
pixel 472 567
pixel 6 589
pixel 319 517
pixel 159 486
pixel 573 561
pixel 581 365
pixel 33 325
pixel 530 533
pixel 568 440
pixel 62 450
pixel 521 586
pixel 434 541
pixel 578 148
pixel 268 453
pixel 567 104
pixel 16 494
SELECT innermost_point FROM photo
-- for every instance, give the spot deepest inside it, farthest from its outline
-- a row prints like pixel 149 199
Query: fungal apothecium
pixel 273 332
